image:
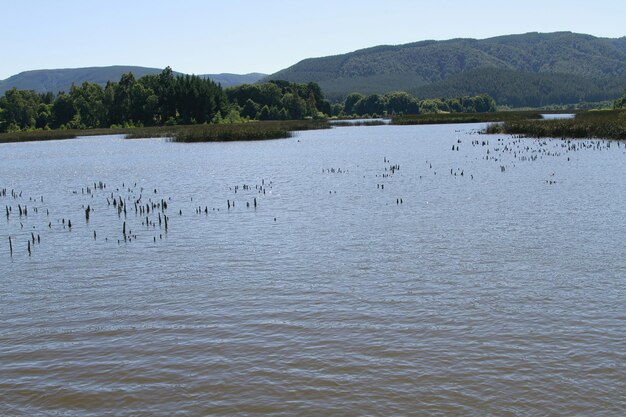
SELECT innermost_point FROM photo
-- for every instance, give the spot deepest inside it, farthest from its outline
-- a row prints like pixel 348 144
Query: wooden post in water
pixel 29 248
pixel 10 247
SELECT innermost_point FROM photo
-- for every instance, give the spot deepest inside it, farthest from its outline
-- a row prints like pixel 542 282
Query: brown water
pixel 498 292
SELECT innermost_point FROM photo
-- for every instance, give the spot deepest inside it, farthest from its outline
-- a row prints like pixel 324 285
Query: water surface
pixel 383 272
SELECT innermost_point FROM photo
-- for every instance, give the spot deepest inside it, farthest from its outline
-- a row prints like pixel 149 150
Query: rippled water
pixel 485 281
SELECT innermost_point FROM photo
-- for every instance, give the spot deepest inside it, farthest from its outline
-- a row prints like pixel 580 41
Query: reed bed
pixel 59 134
pixel 451 118
pixel 348 123
pixel 606 124
pixel 188 133
pixel 245 131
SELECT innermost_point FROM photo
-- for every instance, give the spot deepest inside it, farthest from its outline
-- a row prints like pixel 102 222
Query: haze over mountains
pixel 533 69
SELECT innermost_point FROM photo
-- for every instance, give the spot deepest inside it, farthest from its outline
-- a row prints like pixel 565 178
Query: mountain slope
pixel 426 67
pixel 56 80
pixel 232 80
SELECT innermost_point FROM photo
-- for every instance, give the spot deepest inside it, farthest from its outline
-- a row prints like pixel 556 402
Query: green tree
pixel 350 103
pixel 264 114
pixel 88 100
pixel 402 103
pixel 250 109
pixel 20 108
pixel 63 110
pixel 44 116
pixel 620 103
pixel 372 104
pixel 294 105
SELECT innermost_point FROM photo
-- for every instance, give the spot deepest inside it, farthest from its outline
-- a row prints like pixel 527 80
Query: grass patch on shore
pixel 450 118
pixel 605 124
pixel 58 134
pixel 188 133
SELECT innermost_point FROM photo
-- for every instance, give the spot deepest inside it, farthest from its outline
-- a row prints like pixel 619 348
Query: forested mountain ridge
pixel 561 68
pixel 56 80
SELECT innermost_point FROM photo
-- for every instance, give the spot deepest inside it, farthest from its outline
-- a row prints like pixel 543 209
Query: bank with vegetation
pixel 166 99
pixel 256 130
pixel 449 118
pixel 605 124
pixel 191 108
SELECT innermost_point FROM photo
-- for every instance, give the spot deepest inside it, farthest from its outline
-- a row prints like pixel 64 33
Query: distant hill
pixel 532 69
pixel 56 80
pixel 232 80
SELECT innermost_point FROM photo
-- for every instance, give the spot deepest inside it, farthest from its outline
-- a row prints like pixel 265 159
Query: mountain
pixel 56 80
pixel 232 80
pixel 531 69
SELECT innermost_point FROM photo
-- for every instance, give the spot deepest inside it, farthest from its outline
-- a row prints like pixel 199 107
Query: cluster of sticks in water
pixel 143 205
pixel 151 212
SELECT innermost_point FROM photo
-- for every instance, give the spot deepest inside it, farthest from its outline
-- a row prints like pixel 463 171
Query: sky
pixel 242 36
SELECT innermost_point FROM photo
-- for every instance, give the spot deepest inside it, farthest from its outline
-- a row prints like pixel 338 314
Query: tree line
pixel 620 103
pixel 399 103
pixel 166 99
pixel 147 101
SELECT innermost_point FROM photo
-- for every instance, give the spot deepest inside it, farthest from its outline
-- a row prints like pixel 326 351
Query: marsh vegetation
pixel 607 124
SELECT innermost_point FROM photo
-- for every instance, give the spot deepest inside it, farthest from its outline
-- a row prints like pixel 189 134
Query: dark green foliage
pixel 198 100
pixel 518 89
pixel 533 69
pixel 267 94
pixel 88 101
pixel 607 124
pixel 250 109
pixel 279 100
pixel 264 114
pixel 63 110
pixel 620 103
pixel 404 103
pixel 19 110
pixel 159 99
pixel 372 104
pixel 351 101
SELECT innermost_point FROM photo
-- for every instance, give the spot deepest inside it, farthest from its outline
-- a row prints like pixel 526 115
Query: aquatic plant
pixel 230 132
pixel 607 124
pixel 445 118
pixel 180 133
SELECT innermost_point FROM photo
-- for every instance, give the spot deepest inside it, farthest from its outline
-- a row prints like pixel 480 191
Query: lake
pixel 387 270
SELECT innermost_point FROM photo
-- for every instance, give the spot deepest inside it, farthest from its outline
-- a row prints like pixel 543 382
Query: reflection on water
pixel 384 271
pixel 558 116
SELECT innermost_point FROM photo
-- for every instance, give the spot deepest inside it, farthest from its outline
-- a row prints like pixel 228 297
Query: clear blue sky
pixel 243 36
